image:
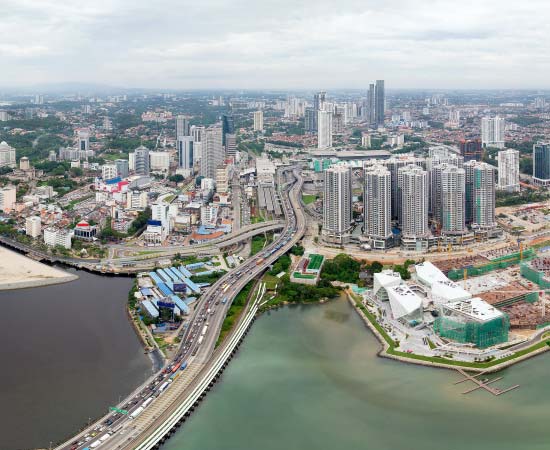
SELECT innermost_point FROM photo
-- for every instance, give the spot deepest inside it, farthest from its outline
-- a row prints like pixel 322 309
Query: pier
pixel 480 384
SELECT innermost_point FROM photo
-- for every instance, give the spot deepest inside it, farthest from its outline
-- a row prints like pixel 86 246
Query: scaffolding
pixel 535 276
pixel 499 263
pixel 481 334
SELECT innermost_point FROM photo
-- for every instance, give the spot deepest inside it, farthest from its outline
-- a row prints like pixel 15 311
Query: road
pixel 155 401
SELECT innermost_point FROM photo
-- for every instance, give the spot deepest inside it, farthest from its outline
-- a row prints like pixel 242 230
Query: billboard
pixel 179 287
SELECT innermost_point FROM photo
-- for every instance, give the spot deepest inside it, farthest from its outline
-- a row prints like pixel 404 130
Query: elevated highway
pixel 165 409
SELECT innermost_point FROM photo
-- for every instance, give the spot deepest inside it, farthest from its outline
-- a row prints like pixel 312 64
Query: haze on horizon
pixel 283 44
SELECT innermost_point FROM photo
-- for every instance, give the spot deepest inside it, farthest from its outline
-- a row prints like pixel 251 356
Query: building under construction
pixel 472 321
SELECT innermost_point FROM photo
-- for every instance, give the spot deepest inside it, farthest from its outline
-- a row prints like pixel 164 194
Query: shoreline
pixel 383 352
pixel 18 271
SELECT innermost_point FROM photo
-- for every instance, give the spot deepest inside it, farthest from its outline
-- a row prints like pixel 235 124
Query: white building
pixel 377 206
pixel 83 140
pixel 109 171
pixel 453 189
pixel 492 131
pixel 508 170
pixel 405 304
pixel 182 126
pixel 480 194
pixel 414 202
pixel 136 200
pixel 212 152
pixel 8 197
pixel 337 202
pixel 258 121
pixel 222 179
pixel 185 152
pixel 383 281
pixel 7 155
pixel 159 161
pixel 324 131
pixel 54 237
pixel 141 161
pixel 33 226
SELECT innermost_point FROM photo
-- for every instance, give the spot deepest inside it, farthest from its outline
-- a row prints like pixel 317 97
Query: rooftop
pixel 476 309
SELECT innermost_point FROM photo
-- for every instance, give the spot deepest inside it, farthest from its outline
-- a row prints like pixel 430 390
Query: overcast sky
pixel 276 43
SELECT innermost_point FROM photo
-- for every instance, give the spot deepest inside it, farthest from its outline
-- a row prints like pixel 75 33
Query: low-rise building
pixel 33 226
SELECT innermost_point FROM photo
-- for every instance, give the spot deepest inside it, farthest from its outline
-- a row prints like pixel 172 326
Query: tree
pixel 176 178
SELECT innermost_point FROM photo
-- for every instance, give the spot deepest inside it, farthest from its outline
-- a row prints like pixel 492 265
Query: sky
pixel 276 44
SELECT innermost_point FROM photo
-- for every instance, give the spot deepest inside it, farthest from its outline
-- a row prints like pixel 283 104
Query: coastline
pixel 19 272
pixel 489 368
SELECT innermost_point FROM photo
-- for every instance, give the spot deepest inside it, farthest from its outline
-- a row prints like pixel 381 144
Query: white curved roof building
pixel 405 303
pixel 384 280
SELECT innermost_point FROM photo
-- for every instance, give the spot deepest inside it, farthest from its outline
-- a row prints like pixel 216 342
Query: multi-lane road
pixel 156 401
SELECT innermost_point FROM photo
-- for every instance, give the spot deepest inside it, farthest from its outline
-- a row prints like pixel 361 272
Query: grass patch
pixel 234 311
pixel 307 199
pixel 258 243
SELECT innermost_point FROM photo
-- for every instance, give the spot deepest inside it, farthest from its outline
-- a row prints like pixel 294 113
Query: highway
pixel 172 392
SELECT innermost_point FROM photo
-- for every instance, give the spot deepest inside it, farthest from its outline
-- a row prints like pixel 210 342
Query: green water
pixel 308 377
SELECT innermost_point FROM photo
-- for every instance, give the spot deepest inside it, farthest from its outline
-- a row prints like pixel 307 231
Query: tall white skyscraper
pixel 508 170
pixel 453 185
pixel 7 155
pixel 414 201
pixel 258 121
pixel 212 152
pixel 324 132
pixel 377 205
pixel 454 118
pixel 480 194
pixel 337 202
pixel 185 152
pixel 492 131
pixel 83 140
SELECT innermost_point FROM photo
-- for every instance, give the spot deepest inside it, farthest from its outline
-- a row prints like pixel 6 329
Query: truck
pixel 203 332
pixel 200 340
pixel 137 412
pixel 183 365
pixel 147 402
pixel 163 386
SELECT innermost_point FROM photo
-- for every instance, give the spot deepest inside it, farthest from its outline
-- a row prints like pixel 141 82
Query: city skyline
pixel 252 45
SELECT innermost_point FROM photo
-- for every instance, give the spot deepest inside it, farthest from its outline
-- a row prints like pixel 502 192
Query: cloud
pixel 277 44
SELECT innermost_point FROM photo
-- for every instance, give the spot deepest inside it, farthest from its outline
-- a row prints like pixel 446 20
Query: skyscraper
pixel 228 126
pixel 83 140
pixel 337 204
pixel 310 121
pixel 371 105
pixel 319 100
pixel 453 185
pixel 471 149
pixel 122 168
pixel 141 160
pixel 185 152
pixel 230 146
pixel 258 121
pixel 480 194
pixel 324 133
pixel 541 164
pixel 414 201
pixel 182 126
pixel 377 206
pixel 7 155
pixel 393 165
pixel 434 166
pixel 508 170
pixel 212 151
pixel 492 131
pixel 380 102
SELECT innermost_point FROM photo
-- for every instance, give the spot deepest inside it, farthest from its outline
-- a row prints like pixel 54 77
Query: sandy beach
pixel 18 271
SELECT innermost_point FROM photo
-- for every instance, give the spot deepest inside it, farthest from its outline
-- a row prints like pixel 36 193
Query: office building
pixel 258 121
pixel 471 149
pixel 7 155
pixel 508 170
pixel 212 151
pixel 8 196
pixel 337 202
pixel 310 120
pixel 182 126
pixel 453 207
pixel 109 171
pixel 377 206
pixel 122 168
pixel 413 184
pixel 54 237
pixel 141 161
pixel 136 199
pixel 492 132
pixel 33 226
pixel 370 106
pixel 159 161
pixel 541 164
pixel 83 140
pixel 185 152
pixel 324 133
pixel 230 146
pixel 228 126
pixel 380 102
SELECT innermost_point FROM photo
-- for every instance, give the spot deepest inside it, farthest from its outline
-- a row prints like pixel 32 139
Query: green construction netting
pixel 481 334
